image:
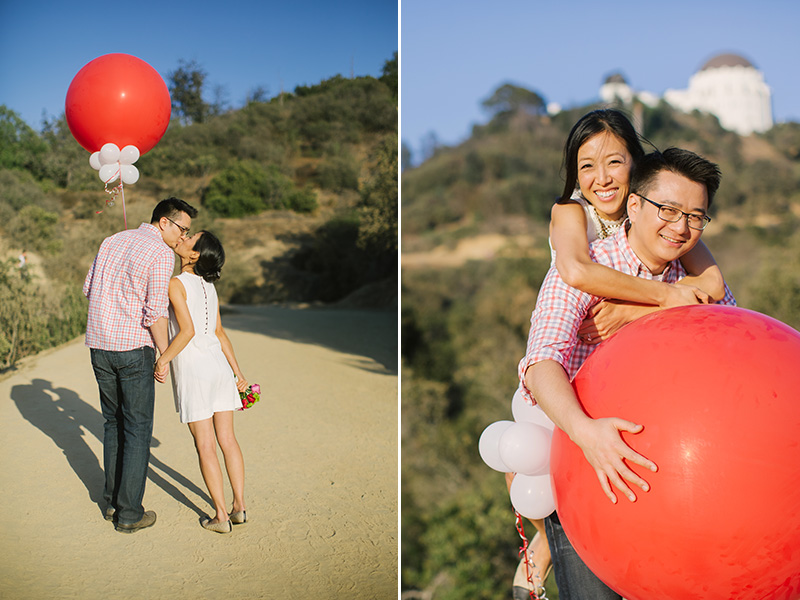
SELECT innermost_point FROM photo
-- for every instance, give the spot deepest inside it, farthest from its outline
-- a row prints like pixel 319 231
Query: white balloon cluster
pixel 522 446
pixel 112 162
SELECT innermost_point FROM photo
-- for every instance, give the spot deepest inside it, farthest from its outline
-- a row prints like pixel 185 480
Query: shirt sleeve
pixel 157 301
pixel 560 310
pixel 87 283
pixel 728 299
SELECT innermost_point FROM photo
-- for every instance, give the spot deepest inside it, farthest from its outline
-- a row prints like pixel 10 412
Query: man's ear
pixel 634 205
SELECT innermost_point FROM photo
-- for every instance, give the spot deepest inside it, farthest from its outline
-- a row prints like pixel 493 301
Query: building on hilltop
pixel 727 86
pixel 731 88
pixel 615 90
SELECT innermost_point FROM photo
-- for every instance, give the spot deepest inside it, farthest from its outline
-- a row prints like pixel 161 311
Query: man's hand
pixel 606 452
pixel 609 316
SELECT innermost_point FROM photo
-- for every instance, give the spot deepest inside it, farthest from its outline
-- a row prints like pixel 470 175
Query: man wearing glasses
pixel 667 210
pixel 127 289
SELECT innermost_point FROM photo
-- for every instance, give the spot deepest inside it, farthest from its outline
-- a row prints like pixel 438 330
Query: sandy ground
pixel 321 473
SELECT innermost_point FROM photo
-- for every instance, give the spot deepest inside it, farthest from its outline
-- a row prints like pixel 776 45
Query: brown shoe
pixel 147 520
pixel 109 513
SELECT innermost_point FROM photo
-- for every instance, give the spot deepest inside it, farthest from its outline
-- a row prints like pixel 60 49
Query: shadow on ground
pixel 63 416
pixel 371 333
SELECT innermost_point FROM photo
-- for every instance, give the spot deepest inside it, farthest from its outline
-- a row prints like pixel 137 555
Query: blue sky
pixel 454 54
pixel 241 44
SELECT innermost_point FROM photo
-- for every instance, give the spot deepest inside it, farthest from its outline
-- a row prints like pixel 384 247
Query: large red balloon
pixel 718 392
pixel 118 98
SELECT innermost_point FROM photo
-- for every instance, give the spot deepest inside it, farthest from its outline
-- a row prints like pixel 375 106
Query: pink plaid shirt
pixel 560 309
pixel 127 289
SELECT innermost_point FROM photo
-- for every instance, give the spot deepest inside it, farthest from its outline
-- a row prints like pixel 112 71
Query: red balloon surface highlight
pixel 120 99
pixel 717 390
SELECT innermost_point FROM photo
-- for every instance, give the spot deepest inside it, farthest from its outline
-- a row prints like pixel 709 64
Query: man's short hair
pixel 681 162
pixel 171 208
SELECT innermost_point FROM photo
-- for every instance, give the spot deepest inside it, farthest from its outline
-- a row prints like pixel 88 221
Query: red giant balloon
pixel 718 392
pixel 118 98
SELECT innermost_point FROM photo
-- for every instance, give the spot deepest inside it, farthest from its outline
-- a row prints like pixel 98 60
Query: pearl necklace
pixel 604 227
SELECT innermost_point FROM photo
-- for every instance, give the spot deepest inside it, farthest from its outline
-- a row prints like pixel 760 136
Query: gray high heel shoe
pixel 238 517
pixel 224 527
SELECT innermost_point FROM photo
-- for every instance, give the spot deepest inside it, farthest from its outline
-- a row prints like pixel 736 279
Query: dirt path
pixel 321 474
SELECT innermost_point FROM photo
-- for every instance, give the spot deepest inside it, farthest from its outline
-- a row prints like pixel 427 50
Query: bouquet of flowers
pixel 250 396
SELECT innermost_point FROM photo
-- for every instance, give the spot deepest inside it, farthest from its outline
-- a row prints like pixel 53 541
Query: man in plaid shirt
pixel 667 210
pixel 128 308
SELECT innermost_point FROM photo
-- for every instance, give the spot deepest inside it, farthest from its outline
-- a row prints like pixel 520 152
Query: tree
pixel 379 216
pixel 509 98
pixel 389 76
pixel 429 145
pixel 20 146
pixel 259 93
pixel 220 104
pixel 186 88
pixel 406 157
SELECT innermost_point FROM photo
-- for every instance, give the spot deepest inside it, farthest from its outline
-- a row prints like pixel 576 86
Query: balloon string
pixel 122 193
pixel 113 193
pixel 523 552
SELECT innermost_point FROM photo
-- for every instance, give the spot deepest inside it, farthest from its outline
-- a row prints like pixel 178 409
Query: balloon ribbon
pixel 118 190
pixel 535 588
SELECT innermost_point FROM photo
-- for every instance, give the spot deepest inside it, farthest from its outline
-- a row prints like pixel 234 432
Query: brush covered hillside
pixel 300 188
pixel 474 252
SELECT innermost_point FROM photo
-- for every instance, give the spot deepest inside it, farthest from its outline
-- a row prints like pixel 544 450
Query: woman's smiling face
pixel 604 171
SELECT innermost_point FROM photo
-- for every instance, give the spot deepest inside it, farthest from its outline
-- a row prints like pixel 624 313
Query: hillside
pixel 474 252
pixel 301 188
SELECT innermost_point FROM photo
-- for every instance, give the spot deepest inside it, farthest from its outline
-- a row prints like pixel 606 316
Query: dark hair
pixel 681 162
pixel 212 256
pixel 170 208
pixel 588 126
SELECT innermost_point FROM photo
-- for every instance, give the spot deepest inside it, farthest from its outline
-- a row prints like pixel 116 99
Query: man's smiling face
pixel 657 242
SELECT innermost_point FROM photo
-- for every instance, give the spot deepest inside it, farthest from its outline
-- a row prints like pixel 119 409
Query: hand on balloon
pixel 607 452
pixel 609 316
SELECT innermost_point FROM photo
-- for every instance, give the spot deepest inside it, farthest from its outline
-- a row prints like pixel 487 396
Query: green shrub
pixel 302 200
pixel 248 188
pixel 35 228
pixel 338 174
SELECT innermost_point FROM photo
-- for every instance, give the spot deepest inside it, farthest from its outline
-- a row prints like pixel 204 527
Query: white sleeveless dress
pixel 202 380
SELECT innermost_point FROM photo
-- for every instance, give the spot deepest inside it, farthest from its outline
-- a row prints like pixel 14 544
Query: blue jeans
pixel 574 579
pixel 127 398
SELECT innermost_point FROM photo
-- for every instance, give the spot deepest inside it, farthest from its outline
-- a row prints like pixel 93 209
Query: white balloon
pixel 525 448
pixel 109 173
pixel 129 155
pixel 524 412
pixel 532 496
pixel 109 154
pixel 94 161
pixel 129 174
pixel 489 443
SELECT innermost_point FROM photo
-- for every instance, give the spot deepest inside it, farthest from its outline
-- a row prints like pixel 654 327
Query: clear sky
pixel 454 54
pixel 241 44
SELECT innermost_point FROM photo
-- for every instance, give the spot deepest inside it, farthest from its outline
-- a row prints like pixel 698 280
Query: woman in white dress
pixel 206 379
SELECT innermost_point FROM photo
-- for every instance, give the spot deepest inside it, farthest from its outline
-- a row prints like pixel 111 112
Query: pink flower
pixel 256 388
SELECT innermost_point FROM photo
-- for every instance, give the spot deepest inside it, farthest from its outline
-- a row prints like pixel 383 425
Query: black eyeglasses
pixel 670 214
pixel 185 230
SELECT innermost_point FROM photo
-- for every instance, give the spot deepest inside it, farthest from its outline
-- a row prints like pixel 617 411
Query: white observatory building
pixel 731 88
